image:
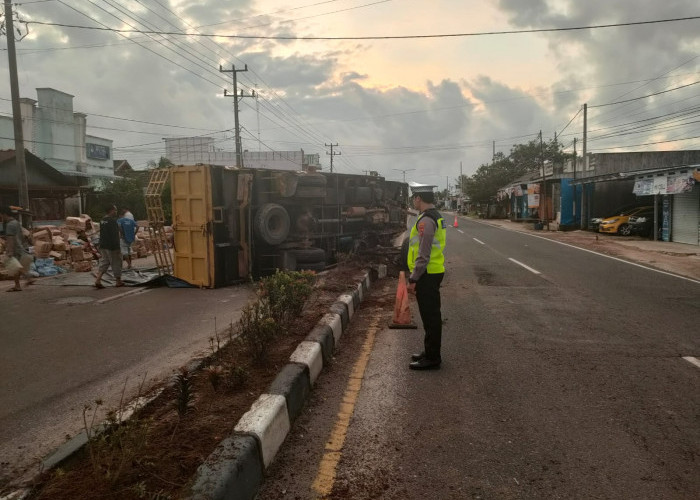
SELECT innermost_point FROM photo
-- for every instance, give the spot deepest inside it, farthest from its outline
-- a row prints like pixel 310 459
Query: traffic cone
pixel 402 310
pixel 456 224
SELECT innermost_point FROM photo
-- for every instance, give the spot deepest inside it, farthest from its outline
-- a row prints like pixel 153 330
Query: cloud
pixel 419 104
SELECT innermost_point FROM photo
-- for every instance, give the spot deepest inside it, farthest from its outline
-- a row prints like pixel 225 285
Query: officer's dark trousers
pixel 428 298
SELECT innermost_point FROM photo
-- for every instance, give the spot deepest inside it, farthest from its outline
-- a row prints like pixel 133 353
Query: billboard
pixel 96 151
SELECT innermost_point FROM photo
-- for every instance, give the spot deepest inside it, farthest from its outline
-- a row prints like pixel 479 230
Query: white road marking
pixel 460 231
pixel 125 294
pixel 599 254
pixel 479 241
pixel 692 360
pixel 535 271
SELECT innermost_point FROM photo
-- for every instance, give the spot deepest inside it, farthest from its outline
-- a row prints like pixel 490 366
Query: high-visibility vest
pixel 436 264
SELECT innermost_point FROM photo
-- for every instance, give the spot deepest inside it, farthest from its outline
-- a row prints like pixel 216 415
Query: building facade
pixel 54 132
pixel 203 150
pixel 571 194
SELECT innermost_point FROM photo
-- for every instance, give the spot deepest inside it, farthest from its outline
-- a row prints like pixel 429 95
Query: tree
pixel 121 192
pixel 523 158
pixel 163 162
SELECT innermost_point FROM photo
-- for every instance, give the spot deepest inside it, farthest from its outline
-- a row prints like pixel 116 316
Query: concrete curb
pixel 235 469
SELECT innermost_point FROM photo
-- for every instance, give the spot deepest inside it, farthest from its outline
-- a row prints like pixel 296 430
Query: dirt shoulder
pixel 676 258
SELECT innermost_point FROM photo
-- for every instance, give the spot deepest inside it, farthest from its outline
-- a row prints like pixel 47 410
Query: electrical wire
pixel 386 37
pixel 644 96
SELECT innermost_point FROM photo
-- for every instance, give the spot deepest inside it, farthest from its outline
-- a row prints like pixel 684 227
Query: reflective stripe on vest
pixel 436 264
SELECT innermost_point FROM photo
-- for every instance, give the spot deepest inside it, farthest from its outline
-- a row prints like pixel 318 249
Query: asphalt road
pixel 563 377
pixel 62 347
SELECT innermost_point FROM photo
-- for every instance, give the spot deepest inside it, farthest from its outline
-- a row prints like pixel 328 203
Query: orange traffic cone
pixel 456 224
pixel 402 310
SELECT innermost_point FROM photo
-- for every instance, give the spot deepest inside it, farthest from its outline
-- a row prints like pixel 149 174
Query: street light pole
pixel 404 171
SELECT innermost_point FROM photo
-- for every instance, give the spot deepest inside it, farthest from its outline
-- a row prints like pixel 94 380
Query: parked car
pixel 619 224
pixel 642 223
pixel 594 223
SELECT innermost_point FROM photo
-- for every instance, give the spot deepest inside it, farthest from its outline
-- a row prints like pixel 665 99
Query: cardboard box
pixel 59 244
pixel 76 253
pixel 42 249
pixel 84 266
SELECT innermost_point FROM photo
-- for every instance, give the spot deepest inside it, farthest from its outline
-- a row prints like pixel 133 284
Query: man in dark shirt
pixel 110 250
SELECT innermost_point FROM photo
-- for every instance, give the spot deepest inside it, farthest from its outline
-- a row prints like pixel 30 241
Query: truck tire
pixel 309 255
pixel 271 223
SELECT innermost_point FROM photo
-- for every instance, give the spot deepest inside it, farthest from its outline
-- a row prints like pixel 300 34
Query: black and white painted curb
pixel 234 471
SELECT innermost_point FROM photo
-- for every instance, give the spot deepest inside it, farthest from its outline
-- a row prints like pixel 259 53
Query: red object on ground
pixel 456 224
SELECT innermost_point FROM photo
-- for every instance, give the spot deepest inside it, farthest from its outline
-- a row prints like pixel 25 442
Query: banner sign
pixel 664 184
pixel 96 151
pixel 533 195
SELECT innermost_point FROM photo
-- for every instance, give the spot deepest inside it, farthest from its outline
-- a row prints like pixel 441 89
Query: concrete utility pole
pixel 404 171
pixel 574 186
pixel 543 194
pixel 236 98
pixel 16 110
pixel 332 153
pixel 257 113
pixel 584 204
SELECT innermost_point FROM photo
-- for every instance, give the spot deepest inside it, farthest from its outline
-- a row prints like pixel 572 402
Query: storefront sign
pixel 673 183
pixel 533 195
pixel 97 151
pixel 666 219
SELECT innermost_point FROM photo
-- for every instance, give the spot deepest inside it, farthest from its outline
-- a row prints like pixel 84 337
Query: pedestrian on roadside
pixel 127 232
pixel 110 251
pixel 426 263
pixel 127 213
pixel 15 248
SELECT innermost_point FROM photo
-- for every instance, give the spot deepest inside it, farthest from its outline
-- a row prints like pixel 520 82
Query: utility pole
pixel 460 178
pixel 584 204
pixel 332 153
pixel 543 194
pixel 236 98
pixel 574 186
pixel 257 113
pixel 404 171
pixel 16 110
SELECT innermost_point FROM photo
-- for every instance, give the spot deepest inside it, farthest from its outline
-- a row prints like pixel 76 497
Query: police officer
pixel 426 263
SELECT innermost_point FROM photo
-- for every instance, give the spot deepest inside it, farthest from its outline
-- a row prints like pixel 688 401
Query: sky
pixel 417 107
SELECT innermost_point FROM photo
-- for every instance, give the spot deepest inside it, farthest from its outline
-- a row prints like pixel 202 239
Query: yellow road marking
pixel 323 484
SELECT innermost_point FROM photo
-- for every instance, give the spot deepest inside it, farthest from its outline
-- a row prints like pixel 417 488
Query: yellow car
pixel 618 224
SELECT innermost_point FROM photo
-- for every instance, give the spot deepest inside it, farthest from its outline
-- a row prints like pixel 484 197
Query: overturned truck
pixel 233 224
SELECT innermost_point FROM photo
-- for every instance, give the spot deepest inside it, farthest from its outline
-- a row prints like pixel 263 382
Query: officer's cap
pixel 421 188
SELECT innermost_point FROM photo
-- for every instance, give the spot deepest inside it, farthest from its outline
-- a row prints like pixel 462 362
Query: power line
pixel 572 119
pixel 386 37
pixel 644 96
pixel 128 119
pixel 121 33
pixel 268 14
pixel 647 143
